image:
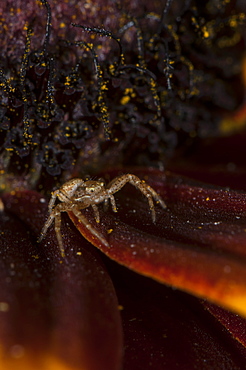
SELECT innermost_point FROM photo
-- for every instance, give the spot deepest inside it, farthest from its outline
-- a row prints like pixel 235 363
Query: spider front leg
pixel 112 200
pixel 96 213
pixel 58 233
pixel 46 226
pixel 56 214
pixel 109 198
pixel 86 223
pixel 66 192
pixel 52 200
pixel 118 183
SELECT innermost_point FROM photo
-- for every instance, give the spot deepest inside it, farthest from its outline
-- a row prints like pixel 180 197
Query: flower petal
pixel 62 313
pixel 197 244
pixel 165 328
pixel 235 324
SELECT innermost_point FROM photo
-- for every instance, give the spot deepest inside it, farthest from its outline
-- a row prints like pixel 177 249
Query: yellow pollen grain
pixel 125 100
pixel 36 257
pixel 206 33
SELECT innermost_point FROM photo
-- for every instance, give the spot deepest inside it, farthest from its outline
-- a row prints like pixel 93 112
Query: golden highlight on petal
pixel 236 303
pixel 18 359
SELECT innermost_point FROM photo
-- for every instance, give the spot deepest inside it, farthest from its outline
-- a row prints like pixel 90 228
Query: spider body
pixel 77 194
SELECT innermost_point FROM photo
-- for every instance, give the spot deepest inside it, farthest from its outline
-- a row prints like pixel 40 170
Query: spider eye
pixel 91 189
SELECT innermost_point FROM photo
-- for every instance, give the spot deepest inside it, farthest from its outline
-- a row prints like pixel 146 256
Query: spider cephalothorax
pixel 77 194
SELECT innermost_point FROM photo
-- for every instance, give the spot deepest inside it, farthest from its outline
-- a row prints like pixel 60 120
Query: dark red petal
pixel 198 244
pixel 61 313
pixel 235 324
pixel 168 329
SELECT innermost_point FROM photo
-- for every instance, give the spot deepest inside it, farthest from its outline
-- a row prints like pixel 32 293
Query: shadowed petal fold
pixel 168 329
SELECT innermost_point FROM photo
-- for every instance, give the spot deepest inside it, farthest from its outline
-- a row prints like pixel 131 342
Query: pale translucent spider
pixel 77 194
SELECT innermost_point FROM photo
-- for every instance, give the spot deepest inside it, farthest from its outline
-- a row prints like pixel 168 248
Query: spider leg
pixel 56 214
pixel 146 190
pixel 52 200
pixel 96 212
pixel 46 226
pixel 58 233
pixel 105 204
pixel 118 183
pixel 86 223
pixel 112 201
pixel 156 197
pixel 149 198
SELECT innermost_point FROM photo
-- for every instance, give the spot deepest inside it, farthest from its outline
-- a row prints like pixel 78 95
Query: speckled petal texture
pixel 56 313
